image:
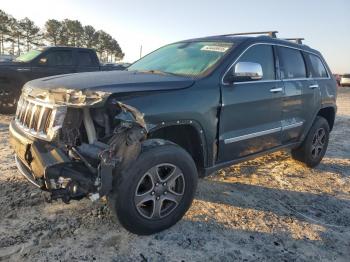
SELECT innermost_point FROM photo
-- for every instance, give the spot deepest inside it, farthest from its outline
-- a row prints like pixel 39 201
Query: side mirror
pixel 43 61
pixel 245 71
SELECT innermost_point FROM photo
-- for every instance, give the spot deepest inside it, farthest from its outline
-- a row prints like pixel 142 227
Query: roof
pixel 237 39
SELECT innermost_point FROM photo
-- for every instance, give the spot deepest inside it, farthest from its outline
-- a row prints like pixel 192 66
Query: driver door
pixel 250 118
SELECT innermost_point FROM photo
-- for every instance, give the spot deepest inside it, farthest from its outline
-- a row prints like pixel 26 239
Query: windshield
pixel 26 57
pixel 187 58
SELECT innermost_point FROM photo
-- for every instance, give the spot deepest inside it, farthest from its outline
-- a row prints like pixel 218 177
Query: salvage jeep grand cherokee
pixel 141 137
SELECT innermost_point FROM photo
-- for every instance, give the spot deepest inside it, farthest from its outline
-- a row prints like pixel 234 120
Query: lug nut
pixel 158 198
pixel 165 192
pixel 152 193
pixel 164 184
pixel 157 184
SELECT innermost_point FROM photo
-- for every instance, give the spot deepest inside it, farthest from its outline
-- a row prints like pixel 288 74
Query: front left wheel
pixel 155 191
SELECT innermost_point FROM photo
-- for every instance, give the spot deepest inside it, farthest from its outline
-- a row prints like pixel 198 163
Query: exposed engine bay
pixel 92 143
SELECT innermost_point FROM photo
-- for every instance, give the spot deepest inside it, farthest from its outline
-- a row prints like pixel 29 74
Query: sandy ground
pixel 271 208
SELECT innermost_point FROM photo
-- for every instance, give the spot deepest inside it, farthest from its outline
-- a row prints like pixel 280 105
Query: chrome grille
pixel 35 117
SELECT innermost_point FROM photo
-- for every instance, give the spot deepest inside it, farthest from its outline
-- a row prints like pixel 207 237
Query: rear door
pixel 250 118
pixel 297 100
pixel 87 61
pixel 54 62
pixel 320 82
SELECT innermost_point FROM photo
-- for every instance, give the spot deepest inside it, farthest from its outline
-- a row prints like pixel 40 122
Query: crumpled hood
pixel 111 81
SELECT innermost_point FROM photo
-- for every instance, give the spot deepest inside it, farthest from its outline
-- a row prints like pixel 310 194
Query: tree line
pixel 18 36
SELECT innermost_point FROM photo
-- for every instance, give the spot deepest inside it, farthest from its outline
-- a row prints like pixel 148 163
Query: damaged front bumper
pixel 86 170
pixel 50 168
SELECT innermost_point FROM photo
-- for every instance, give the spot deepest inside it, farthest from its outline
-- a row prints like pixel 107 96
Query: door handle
pixel 313 86
pixel 276 90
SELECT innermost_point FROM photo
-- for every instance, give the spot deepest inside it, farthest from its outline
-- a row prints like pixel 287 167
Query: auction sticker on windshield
pixel 215 48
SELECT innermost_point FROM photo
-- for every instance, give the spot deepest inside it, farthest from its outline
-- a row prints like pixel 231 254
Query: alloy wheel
pixel 159 191
pixel 318 143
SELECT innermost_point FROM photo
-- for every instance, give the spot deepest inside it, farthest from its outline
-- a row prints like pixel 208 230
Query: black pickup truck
pixel 40 63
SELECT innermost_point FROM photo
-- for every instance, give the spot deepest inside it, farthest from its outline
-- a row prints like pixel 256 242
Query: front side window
pixel 292 63
pixel 263 55
pixel 186 58
pixel 60 58
pixel 318 69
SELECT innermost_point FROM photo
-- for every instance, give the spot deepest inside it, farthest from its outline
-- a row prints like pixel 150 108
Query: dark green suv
pixel 142 136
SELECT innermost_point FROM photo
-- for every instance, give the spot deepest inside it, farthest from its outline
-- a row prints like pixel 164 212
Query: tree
pixel 90 37
pixel 15 36
pixel 4 29
pixel 115 50
pixel 102 44
pixel 74 31
pixel 30 32
pixel 53 31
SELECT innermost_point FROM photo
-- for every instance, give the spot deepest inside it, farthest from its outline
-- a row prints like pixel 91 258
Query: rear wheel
pixel 155 191
pixel 314 147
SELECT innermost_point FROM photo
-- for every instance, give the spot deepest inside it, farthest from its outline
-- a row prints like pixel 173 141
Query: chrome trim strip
pixel 275 44
pixel 252 135
pixel 276 90
pixel 290 126
pixel 257 81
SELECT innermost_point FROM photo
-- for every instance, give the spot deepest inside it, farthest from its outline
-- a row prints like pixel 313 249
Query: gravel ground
pixel 271 208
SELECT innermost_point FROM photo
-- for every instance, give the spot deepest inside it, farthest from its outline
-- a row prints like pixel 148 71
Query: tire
pixel 139 181
pixel 314 147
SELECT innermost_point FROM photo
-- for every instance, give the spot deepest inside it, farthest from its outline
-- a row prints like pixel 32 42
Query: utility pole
pixel 140 51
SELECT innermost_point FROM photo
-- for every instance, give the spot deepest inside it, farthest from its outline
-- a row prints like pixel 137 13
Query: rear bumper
pixel 33 156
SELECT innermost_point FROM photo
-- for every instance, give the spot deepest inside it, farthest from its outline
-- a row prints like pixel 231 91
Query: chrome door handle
pixel 276 90
pixel 313 86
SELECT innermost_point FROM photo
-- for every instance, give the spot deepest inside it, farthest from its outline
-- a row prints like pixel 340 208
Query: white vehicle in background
pixel 345 80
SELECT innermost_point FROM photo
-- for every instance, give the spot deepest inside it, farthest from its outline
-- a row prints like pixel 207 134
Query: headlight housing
pixel 64 96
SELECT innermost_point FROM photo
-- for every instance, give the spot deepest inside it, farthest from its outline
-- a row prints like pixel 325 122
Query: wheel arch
pixel 328 112
pixel 186 134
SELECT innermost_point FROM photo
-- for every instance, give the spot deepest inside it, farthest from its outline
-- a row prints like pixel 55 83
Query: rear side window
pixel 318 69
pixel 263 55
pixel 85 59
pixel 292 63
pixel 60 58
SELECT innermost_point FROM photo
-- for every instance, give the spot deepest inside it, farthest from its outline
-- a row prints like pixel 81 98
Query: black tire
pixel 125 185
pixel 308 153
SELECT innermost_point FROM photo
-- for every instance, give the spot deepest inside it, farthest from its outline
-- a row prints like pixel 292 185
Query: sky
pixel 324 24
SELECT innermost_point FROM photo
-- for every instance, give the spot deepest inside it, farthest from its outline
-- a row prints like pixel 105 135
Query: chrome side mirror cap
pixel 245 71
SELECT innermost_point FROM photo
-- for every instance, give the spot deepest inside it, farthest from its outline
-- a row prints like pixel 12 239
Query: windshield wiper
pixel 152 71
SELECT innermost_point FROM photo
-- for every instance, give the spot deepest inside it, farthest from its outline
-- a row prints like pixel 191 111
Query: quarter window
pixel 318 69
pixel 263 55
pixel 292 63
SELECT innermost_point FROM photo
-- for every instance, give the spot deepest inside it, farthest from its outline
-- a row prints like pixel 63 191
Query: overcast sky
pixel 325 24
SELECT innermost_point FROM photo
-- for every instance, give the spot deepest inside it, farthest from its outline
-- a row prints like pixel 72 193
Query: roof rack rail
pixel 272 34
pixel 297 40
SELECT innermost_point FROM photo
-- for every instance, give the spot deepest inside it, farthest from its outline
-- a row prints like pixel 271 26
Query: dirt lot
pixel 271 208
